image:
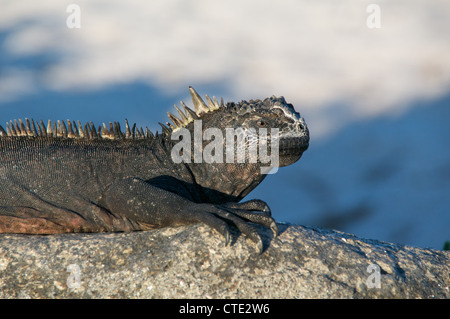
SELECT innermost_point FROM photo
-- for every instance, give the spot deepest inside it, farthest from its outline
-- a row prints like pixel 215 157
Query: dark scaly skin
pixel 59 184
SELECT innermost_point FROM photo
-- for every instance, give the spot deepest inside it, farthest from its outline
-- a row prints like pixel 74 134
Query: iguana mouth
pixel 293 145
pixel 291 149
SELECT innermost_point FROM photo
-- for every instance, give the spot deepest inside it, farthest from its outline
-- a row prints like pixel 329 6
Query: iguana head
pixel 264 124
pixel 283 125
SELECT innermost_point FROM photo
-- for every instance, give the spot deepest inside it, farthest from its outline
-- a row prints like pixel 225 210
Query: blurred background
pixel 372 82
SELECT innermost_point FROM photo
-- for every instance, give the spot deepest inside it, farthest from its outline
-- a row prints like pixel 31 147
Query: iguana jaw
pixel 291 150
pixel 293 142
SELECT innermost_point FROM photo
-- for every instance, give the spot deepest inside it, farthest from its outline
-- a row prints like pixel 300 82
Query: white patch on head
pixel 288 112
pixel 299 122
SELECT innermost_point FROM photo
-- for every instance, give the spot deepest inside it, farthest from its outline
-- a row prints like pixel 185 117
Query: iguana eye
pixel 261 123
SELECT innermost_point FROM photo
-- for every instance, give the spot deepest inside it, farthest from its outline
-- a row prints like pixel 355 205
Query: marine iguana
pixel 71 178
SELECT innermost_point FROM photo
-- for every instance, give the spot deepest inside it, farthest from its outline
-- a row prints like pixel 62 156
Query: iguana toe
pixel 274 228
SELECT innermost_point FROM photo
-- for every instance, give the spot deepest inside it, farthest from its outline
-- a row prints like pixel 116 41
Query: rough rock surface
pixel 192 262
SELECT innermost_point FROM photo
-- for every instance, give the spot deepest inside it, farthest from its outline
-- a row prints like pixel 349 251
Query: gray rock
pixel 192 262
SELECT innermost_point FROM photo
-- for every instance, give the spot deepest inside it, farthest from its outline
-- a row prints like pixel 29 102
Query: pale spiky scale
pixel 211 104
pixel 104 132
pixel 117 130
pixel 171 126
pixel 42 130
pixel 183 116
pixel 20 128
pixel 92 131
pixel 54 130
pixel 98 131
pixel 199 104
pixel 12 129
pixel 17 128
pixel 71 134
pixel 80 130
pixel 59 132
pixel 133 130
pixel 216 103
pixel 29 131
pixel 165 129
pixel 189 112
pixel 127 129
pixel 137 134
pixel 86 131
pixel 58 128
pixel 49 128
pixel 2 132
pixel 176 121
pixel 64 129
pixel 75 130
pixel 111 128
pixel 35 131
pixel 38 128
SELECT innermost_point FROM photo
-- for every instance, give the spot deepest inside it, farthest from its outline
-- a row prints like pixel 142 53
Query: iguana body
pixel 78 179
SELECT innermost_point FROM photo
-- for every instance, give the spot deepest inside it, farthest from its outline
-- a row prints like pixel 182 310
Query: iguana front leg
pixel 152 207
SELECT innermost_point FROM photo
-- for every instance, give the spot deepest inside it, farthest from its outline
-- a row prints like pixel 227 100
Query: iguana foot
pixel 238 214
pixel 150 207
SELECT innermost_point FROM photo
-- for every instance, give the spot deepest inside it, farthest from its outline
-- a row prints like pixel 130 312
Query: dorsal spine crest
pixel 75 130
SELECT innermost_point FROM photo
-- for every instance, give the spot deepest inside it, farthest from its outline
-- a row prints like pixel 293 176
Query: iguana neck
pixel 225 182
